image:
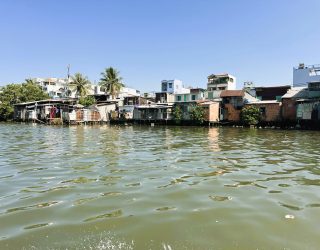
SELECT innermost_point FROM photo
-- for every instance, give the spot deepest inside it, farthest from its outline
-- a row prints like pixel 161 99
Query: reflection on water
pixel 139 187
pixel 213 138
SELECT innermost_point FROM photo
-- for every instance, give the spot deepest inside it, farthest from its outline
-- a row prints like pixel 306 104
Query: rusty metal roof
pixel 232 93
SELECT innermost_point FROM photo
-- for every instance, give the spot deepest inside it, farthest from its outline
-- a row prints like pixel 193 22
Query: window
pixel 185 98
pixel 263 110
pixel 314 86
pixel 231 79
pixel 193 97
pixel 170 85
pixel 164 86
pixel 179 98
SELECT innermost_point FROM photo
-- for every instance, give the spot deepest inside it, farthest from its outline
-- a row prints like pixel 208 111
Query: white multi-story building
pixel 173 87
pixel 219 82
pixel 195 94
pixel 55 87
pixel 306 76
pixel 124 92
pixel 60 87
pixel 127 92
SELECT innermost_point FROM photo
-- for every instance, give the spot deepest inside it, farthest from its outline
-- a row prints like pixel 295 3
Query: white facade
pixel 105 109
pixel 190 97
pixel 55 87
pixel 98 90
pixel 125 92
pixel 173 87
pixel 303 75
pixel 58 87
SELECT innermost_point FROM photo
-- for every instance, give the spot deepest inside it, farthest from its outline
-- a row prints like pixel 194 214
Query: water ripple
pixel 158 187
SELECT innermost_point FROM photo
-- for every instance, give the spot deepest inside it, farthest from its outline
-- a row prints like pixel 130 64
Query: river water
pixel 140 187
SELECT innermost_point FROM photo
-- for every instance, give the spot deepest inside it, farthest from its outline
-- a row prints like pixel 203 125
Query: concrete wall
pixel 105 110
pixel 188 97
pixel 212 112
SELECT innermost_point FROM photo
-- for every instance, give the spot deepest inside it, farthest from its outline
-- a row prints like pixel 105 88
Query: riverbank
pixel 272 126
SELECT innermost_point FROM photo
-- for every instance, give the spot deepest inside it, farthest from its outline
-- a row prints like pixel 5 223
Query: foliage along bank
pixel 18 93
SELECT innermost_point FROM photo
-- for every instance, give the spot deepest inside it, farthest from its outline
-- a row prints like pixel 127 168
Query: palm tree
pixel 80 84
pixel 111 81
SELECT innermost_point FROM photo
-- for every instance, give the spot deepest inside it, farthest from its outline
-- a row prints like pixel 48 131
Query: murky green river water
pixel 158 188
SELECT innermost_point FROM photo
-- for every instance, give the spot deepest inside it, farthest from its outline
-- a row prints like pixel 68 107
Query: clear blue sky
pixel 148 41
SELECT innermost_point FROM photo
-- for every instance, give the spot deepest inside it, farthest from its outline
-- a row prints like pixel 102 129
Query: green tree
pixel 30 81
pixel 111 81
pixel 87 101
pixel 177 114
pixel 17 93
pixel 80 84
pixel 197 114
pixel 30 91
pixel 6 111
pixel 250 115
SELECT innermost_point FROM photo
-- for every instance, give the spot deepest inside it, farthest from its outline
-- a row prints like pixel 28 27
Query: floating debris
pixel 289 216
pixel 220 198
pixel 166 208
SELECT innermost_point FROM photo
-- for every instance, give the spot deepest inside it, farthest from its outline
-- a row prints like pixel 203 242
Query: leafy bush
pixel 87 101
pixel 177 114
pixel 250 115
pixel 197 114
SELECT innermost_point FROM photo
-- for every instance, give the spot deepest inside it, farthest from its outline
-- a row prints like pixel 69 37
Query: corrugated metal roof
pixel 62 100
pixel 298 92
pixel 265 102
pixel 273 86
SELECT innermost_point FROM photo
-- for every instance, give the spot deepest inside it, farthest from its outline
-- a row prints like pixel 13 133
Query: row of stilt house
pixel 281 106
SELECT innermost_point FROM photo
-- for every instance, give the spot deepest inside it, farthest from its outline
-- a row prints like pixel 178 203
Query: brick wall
pixel 232 114
pixel 289 109
pixel 272 111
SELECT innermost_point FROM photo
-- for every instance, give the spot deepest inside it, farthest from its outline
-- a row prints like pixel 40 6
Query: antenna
pixel 68 80
pixel 68 67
